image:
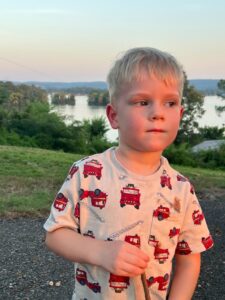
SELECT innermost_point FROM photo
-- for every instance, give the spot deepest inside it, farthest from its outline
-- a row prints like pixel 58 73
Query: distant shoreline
pixel 206 86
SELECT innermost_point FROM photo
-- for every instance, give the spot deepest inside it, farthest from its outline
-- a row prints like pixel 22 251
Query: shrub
pixel 180 155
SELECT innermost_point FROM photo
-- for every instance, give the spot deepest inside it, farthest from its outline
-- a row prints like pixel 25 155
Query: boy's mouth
pixel 155 130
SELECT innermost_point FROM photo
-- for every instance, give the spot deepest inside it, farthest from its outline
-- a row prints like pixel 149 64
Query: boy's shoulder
pixel 94 160
pixel 93 165
pixel 171 170
pixel 177 176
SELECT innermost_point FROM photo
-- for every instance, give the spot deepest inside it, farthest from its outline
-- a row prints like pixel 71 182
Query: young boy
pixel 125 212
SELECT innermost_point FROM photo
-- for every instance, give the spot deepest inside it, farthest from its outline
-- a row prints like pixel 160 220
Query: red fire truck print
pixel 133 240
pixel 73 170
pixel 81 277
pixel 161 213
pixel 152 241
pixel 119 283
pixel 181 178
pixel 130 196
pixel 77 211
pixel 173 232
pixel 161 280
pixel 197 217
pixel 90 234
pixel 192 189
pixel 207 242
pixel 184 179
pixel 165 180
pixel 98 198
pixel 183 248
pixel 161 254
pixel 93 167
pixel 60 202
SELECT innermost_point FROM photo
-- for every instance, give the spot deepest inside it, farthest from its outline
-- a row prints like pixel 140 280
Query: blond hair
pixel 137 62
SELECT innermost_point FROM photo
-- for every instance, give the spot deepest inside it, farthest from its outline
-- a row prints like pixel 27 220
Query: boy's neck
pixel 141 163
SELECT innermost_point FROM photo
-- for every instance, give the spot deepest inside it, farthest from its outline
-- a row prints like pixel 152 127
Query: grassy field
pixel 30 178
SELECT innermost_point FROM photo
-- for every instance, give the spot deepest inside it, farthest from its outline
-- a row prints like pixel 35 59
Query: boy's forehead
pixel 148 84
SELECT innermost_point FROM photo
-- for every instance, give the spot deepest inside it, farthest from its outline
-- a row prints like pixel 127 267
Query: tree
pixel 98 97
pixel 192 102
pixel 16 101
pixel 211 133
pixel 96 127
pixel 221 93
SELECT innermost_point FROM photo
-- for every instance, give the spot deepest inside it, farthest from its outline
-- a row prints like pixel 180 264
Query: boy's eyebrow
pixel 147 95
pixel 172 95
pixel 140 95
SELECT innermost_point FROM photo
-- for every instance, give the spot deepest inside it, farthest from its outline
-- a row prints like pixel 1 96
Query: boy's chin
pixel 151 149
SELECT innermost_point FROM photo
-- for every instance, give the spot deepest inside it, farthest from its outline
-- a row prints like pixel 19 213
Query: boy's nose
pixel 156 113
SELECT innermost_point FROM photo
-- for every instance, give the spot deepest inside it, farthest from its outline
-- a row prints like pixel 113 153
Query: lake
pixel 82 111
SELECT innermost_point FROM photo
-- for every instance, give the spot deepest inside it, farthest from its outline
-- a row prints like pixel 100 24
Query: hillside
pixel 30 178
pixel 206 86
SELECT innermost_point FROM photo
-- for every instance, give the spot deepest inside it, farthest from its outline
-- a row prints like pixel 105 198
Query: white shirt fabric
pixel 158 213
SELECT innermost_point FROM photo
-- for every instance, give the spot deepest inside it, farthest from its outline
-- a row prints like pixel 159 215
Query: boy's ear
pixel 112 116
pixel 181 112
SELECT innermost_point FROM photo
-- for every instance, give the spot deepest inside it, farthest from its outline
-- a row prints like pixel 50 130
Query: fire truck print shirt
pixel 158 213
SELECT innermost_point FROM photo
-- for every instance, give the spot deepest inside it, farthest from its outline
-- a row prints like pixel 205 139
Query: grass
pixel 204 178
pixel 30 179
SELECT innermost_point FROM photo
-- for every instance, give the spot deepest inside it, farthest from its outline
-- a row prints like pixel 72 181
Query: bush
pixel 179 155
pixel 211 158
pixel 183 155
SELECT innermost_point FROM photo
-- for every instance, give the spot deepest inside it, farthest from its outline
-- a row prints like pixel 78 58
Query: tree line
pixel 26 120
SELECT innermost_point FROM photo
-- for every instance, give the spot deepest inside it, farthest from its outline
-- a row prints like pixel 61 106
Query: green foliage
pixel 183 155
pixel 221 88
pixel 94 131
pixel 26 120
pixel 30 178
pixel 96 127
pixel 18 96
pixel 63 99
pixel 98 97
pixel 211 158
pixel 211 133
pixel 179 155
pixel 193 109
pixel 221 92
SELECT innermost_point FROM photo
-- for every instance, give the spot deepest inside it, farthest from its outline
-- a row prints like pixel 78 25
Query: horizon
pixel 78 41
pixel 98 81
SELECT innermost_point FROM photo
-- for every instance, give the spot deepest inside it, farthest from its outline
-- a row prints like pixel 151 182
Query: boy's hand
pixel 122 258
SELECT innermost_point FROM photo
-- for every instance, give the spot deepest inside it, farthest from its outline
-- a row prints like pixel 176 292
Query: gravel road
pixel 28 271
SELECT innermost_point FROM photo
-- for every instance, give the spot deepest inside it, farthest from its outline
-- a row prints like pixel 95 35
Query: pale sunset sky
pixel 77 40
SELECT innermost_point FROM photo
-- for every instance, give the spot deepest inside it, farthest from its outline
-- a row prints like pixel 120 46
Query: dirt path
pixel 28 270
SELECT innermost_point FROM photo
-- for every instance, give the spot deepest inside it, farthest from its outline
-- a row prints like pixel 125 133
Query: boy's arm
pixel 117 257
pixel 187 269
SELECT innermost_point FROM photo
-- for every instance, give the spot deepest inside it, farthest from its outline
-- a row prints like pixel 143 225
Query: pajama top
pixel 158 213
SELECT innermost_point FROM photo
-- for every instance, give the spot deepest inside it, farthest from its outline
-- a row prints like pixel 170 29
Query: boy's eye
pixel 171 103
pixel 142 103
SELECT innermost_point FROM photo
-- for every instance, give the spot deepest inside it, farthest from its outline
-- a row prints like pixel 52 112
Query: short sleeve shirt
pixel 158 213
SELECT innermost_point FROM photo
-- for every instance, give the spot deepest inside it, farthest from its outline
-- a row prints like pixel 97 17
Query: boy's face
pixel 147 114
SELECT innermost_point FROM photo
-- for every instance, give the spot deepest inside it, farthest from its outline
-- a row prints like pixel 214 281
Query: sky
pixel 73 40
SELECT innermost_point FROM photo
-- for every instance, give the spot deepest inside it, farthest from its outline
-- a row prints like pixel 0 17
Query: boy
pixel 125 212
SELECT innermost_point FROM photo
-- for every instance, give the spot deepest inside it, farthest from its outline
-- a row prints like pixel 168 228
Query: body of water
pixel 210 117
pixel 82 111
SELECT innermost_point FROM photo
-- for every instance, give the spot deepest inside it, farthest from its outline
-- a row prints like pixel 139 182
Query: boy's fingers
pixel 138 252
pixel 136 261
pixel 131 270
